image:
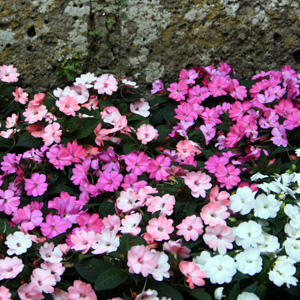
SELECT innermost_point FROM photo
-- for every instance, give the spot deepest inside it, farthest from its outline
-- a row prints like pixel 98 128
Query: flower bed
pixel 190 195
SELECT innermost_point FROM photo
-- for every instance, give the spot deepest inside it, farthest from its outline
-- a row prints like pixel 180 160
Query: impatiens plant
pixel 190 194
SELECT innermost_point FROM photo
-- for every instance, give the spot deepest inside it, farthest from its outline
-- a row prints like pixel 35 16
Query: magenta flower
pixel 178 90
pixel 53 226
pixel 228 176
pixel 109 181
pixel 36 185
pixel 157 167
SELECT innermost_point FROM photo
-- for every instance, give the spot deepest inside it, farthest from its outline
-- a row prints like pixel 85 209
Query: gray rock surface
pixel 146 39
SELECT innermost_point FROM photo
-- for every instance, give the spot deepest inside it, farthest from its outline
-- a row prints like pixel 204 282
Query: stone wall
pixel 147 39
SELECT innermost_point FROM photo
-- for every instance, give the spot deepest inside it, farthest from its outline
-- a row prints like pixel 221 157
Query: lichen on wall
pixel 147 39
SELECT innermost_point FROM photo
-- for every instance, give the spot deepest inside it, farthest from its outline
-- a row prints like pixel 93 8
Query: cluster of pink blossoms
pixel 63 189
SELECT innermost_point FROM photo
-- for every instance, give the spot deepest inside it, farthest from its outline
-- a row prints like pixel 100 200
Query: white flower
pixel 293 212
pixel 266 206
pixel 258 176
pixel 107 242
pixel 247 296
pixel 291 231
pixel 162 267
pixel 297 152
pixel 202 259
pixel 218 294
pixel 140 108
pixel 270 244
pixel 18 243
pixel 283 272
pixel 86 79
pixel 249 262
pixel 242 201
pixel 292 248
pixel 248 234
pixel 148 295
pixel 220 269
pixel 51 253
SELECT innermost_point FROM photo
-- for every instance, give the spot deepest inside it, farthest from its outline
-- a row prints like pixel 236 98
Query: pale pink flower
pixel 81 290
pixel 219 237
pixel 140 108
pixel 10 267
pixel 190 227
pixel 164 204
pixel 146 133
pixel 198 182
pixel 11 121
pixel 36 185
pixel 176 248
pixel 106 84
pixel 44 279
pixel 193 273
pixel 128 201
pixel 214 213
pixel 107 241
pixel 9 202
pixel 140 260
pixel 68 105
pixel 52 133
pixel 30 291
pixel 50 253
pixel 160 228
pixel 5 293
pixel 130 224
pixel 8 73
pixel 279 137
pixel 35 113
pixel 20 95
pixel 83 240
pixel 161 270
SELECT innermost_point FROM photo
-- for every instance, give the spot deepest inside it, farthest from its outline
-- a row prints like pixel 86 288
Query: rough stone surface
pixel 147 39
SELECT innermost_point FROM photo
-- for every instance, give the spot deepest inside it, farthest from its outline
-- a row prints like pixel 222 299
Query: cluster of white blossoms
pixel 257 237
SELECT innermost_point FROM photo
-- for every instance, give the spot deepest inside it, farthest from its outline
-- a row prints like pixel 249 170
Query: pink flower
pixel 188 76
pixel 140 260
pixel 109 181
pixel 68 105
pixel 8 73
pixel 53 226
pixel 136 163
pixel 20 95
pixel 106 84
pixel 164 204
pixel 157 167
pixel 83 240
pixel 219 237
pixel 36 185
pixel 279 137
pixel 214 214
pixel 178 90
pixel 10 267
pixel 52 133
pixel 228 176
pixel 30 291
pixel 8 201
pixel 81 290
pixel 176 248
pixel 160 228
pixel 35 113
pixel 157 86
pixel 146 133
pixel 193 273
pixel 44 279
pixel 198 182
pixel 5 293
pixel 190 227
pixel 59 157
pixel 218 86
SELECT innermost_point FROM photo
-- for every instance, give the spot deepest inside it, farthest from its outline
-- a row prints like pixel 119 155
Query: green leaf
pixel 86 127
pixel 28 141
pixel 129 147
pixel 262 162
pixel 165 289
pixel 6 143
pixel 159 100
pixel 274 168
pixel 163 132
pixel 157 117
pixel 107 208
pixel 90 269
pixel 234 292
pixel 169 113
pixel 200 294
pixel 110 279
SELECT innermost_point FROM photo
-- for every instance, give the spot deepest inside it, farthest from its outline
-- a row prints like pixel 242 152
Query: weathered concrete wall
pixel 147 39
